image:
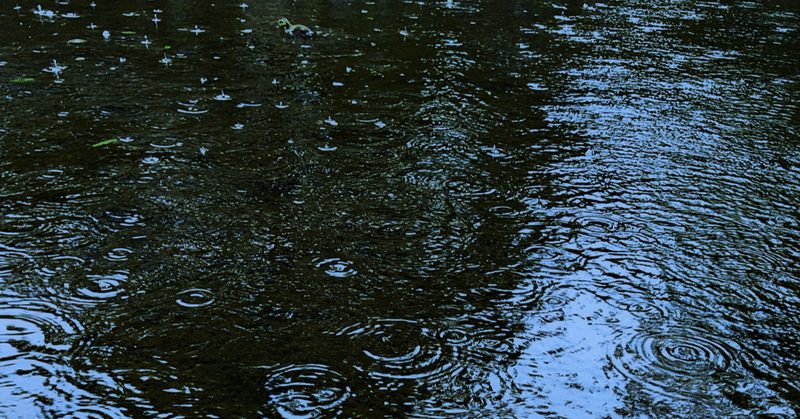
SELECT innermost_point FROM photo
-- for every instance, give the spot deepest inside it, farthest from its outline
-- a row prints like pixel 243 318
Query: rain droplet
pixel 222 96
pixel 196 297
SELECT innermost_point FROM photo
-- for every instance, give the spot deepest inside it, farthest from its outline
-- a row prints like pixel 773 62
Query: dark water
pixel 498 209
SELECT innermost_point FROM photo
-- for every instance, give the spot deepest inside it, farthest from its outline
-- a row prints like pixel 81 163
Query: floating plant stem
pixel 113 140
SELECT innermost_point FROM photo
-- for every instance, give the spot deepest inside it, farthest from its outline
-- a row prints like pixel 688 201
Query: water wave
pixel 336 267
pixel 89 412
pixel 195 297
pixel 102 287
pixel 50 266
pixel 36 326
pixel 37 337
pixel 13 260
pixel 598 225
pixel 645 307
pixel 305 390
pixel 551 305
pixel 402 349
pixel 677 363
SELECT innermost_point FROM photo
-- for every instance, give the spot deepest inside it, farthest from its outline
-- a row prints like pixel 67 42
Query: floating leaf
pixel 104 142
pixel 128 32
pixel 21 80
pixel 76 41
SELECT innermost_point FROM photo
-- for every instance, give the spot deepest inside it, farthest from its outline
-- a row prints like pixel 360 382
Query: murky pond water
pixel 427 210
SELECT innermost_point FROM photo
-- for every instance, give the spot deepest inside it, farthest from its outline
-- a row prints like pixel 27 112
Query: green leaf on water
pixel 76 41
pixel 128 32
pixel 21 80
pixel 104 142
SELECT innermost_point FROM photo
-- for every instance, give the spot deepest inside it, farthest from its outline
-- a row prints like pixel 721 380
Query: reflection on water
pixel 428 209
pixel 305 391
pixel 402 350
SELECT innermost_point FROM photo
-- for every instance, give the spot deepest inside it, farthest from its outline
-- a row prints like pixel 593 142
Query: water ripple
pixel 549 304
pixel 676 362
pixel 89 408
pixel 118 254
pixel 59 265
pixel 402 350
pixel 103 287
pixel 336 267
pixel 12 260
pixel 30 325
pixel 195 297
pixel 305 390
pixel 598 225
pixel 644 307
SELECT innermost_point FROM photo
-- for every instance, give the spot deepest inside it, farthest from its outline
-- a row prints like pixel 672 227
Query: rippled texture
pixel 305 391
pixel 428 210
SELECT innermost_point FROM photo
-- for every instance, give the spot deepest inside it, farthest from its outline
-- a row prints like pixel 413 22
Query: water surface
pixel 427 210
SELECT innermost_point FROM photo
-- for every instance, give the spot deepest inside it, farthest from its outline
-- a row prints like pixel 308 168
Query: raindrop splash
pixel 306 390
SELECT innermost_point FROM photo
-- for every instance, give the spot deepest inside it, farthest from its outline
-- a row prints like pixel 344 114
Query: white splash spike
pixel 55 69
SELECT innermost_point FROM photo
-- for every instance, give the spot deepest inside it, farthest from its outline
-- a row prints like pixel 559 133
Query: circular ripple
pixel 675 362
pixel 305 391
pixel 550 307
pixel 598 224
pixel 34 325
pixel 63 233
pixel 403 349
pixel 119 254
pixel 336 267
pixel 12 261
pixel 60 264
pixel 93 412
pixel 644 308
pixel 195 297
pixel 480 338
pixel 102 287
pixel 454 336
